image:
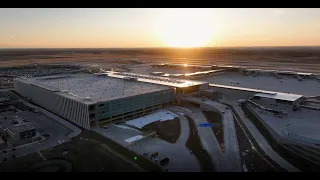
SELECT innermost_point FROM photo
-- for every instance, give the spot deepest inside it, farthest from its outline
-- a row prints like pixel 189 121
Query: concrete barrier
pixel 303 138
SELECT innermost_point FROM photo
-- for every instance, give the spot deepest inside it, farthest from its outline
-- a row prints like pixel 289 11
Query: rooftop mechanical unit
pixel 130 78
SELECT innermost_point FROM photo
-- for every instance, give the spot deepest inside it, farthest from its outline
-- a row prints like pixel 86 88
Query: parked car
pixel 155 154
pixel 164 161
pixel 45 135
pixel 26 120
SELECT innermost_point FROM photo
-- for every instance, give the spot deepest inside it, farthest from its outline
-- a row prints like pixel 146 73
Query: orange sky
pixel 105 28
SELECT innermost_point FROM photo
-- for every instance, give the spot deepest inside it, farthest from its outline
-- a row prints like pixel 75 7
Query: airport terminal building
pixel 91 99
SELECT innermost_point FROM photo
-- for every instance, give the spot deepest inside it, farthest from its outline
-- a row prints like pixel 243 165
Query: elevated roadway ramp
pixel 230 160
pixel 261 141
pixel 207 138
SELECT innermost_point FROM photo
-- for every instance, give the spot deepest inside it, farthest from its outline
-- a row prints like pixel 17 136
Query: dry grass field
pixel 304 59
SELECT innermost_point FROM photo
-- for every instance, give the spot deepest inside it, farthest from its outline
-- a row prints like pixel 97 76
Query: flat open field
pixel 305 59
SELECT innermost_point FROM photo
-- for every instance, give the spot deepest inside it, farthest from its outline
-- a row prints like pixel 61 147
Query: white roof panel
pixel 304 74
pixel 133 139
pixel 242 88
pixel 202 72
pixel 157 80
pixel 162 115
pixel 280 96
pixel 263 93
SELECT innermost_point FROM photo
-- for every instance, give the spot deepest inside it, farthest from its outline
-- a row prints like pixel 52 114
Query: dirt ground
pixel 304 59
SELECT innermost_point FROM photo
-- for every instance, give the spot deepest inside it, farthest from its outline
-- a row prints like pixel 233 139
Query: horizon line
pixel 154 47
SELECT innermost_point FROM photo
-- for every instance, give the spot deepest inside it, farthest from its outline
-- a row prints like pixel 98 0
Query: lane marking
pixel 41 155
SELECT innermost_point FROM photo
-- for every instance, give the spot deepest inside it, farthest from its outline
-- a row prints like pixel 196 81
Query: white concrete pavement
pixel 208 140
pixel 185 131
pixel 231 155
pixel 261 141
pixel 230 159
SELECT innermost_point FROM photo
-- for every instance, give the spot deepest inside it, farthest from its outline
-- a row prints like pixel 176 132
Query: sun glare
pixel 185 27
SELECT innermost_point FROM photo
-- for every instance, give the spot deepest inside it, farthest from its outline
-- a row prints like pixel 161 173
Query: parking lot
pixel 49 132
pixel 181 160
pixel 36 70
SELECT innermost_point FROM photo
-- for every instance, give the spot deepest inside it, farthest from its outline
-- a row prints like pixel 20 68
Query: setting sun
pixel 185 28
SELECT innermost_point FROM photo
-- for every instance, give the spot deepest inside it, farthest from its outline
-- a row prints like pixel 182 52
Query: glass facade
pixel 129 104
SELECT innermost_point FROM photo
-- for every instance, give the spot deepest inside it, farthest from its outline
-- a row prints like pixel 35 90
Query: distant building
pixel 281 98
pixel 211 93
pixel 21 132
